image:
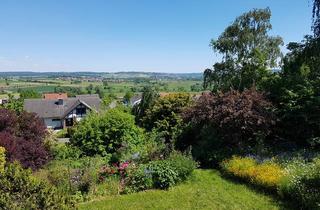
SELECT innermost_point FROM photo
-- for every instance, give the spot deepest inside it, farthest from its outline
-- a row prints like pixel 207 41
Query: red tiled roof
pixel 50 96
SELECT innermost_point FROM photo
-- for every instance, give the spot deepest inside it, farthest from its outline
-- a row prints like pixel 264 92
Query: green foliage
pixel 61 151
pixel 20 190
pixel 127 97
pixel 196 87
pixel 107 100
pixel 99 90
pixel 160 174
pixel 62 133
pixel 13 104
pixel 25 94
pixel 139 179
pixel 164 116
pixel 77 178
pixel 205 190
pixel 295 92
pixel 89 89
pixel 164 174
pixel 108 187
pixel 149 96
pixel 184 164
pixel 2 158
pixel 248 52
pixel 302 185
pixel 71 91
pixel 111 132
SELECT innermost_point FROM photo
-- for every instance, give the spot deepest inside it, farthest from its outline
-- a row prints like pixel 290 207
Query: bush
pixel 139 179
pixel 2 159
pixel 302 184
pixel 184 165
pixel 164 116
pixel 111 132
pixel 236 121
pixel 267 175
pixel 164 174
pixel 23 138
pixel 20 190
pixel 61 151
pixel 108 187
pixel 160 174
pixel 76 178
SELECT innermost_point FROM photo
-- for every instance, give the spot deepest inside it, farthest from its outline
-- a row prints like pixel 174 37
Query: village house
pixel 58 111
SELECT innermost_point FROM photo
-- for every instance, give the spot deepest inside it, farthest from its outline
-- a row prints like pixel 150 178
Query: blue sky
pixel 129 35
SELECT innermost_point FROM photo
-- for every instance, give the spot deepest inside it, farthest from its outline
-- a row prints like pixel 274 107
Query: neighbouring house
pixel 3 101
pixel 55 96
pixel 136 99
pixel 59 113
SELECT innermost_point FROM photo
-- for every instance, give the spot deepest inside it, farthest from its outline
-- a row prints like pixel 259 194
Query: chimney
pixel 60 101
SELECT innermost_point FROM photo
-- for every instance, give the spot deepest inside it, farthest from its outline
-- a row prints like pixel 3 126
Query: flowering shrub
pixel 267 175
pixel 302 184
pixel 239 167
pixel 2 159
pixel 116 169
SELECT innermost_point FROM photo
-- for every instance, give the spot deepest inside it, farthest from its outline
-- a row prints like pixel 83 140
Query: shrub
pixel 20 190
pixel 164 174
pixel 108 187
pixel 233 120
pixel 139 179
pixel 61 151
pixel 302 184
pixel 23 138
pixel 2 159
pixel 164 116
pixel 111 132
pixel 76 178
pixel 266 175
pixel 184 165
pixel 161 174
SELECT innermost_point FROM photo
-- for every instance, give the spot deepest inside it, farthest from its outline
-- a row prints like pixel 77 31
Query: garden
pixel 250 141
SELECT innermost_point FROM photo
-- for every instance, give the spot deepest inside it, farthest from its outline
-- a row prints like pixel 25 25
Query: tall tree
pixel 316 18
pixel 248 52
pixel 149 96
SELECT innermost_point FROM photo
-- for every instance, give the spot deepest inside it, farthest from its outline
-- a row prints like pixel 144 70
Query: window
pixel 81 111
pixel 69 122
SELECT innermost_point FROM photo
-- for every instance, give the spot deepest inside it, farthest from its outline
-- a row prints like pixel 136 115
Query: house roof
pixel 45 108
pixel 55 95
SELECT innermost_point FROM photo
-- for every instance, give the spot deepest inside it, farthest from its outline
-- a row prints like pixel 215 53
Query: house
pixel 59 113
pixel 136 99
pixel 55 96
pixel 3 101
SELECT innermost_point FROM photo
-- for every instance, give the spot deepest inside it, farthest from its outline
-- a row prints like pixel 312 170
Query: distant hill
pixel 115 75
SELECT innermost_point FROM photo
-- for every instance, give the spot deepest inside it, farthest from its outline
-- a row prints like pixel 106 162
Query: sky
pixel 129 35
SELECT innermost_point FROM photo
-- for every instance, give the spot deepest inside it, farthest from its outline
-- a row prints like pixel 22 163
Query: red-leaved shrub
pixel 23 138
pixel 238 118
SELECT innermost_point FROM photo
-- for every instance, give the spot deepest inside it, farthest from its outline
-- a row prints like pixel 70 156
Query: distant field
pixel 117 87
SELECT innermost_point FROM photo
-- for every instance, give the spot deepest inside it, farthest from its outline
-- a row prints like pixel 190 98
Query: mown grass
pixel 205 190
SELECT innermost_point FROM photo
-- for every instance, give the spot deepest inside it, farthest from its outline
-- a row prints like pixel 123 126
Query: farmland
pixel 108 84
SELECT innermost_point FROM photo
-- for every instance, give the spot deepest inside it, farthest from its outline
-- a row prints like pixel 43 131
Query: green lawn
pixel 206 190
